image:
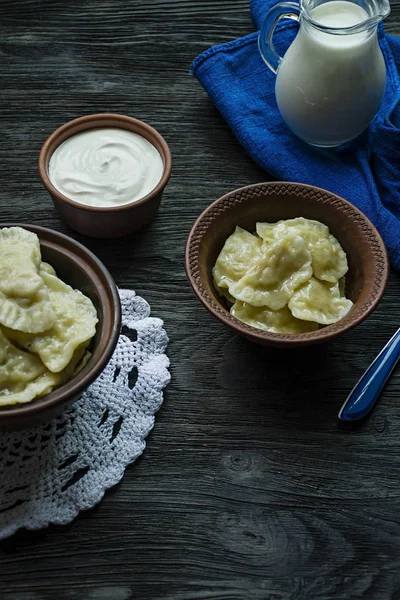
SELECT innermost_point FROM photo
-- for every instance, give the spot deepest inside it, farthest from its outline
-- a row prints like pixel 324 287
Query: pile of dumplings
pixel 45 325
pixel 288 278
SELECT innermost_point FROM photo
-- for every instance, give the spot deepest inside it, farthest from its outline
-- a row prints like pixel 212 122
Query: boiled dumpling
pixel 288 278
pixel 329 261
pixel 41 314
pixel 75 323
pixel 224 292
pixel 284 266
pixel 320 302
pixel 240 251
pixel 31 315
pixel 46 268
pixel 275 321
pixel 305 228
pixel 301 226
pixel 266 231
pixel 22 238
pixel 24 300
pixel 19 263
pixel 23 377
pixel 79 359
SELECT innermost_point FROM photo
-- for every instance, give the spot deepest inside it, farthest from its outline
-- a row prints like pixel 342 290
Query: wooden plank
pixel 248 489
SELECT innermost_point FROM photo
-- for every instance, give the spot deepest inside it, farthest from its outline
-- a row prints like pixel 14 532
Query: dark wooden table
pixel 248 488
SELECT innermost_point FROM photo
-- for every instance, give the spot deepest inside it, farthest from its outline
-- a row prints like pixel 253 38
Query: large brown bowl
pixel 105 222
pixel 81 269
pixel 269 202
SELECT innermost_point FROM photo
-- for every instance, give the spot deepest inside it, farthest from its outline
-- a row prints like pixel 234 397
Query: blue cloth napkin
pixel 366 171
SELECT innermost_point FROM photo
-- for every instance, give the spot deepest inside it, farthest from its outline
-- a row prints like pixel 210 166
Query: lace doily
pixel 49 474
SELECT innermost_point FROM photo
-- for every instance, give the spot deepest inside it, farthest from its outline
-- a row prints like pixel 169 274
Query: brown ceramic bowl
pixel 270 202
pixel 78 267
pixel 105 222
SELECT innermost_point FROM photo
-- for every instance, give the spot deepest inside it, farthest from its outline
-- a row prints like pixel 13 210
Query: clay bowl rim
pixel 86 123
pixel 257 335
pixel 72 389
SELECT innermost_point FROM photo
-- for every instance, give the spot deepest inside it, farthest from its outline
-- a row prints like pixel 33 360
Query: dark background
pixel 248 488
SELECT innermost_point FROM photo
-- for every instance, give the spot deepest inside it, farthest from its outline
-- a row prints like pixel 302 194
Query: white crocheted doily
pixel 49 474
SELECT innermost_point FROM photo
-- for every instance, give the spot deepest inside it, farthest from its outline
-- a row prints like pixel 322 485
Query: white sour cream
pixel 105 167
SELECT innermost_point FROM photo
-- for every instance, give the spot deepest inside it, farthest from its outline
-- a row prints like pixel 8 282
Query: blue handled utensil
pixel 366 392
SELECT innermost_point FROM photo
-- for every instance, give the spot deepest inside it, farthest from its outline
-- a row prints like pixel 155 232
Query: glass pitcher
pixel 331 80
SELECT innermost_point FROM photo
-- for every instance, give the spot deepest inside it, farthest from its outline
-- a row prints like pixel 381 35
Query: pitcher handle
pixel 282 10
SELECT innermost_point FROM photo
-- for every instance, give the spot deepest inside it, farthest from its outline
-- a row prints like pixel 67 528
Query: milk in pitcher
pixel 329 85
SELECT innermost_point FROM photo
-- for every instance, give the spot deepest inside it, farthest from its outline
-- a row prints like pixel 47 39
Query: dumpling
pixel 31 315
pixel 224 293
pixel 10 237
pixel 75 323
pixel 23 377
pixel 79 359
pixel 237 256
pixel 306 228
pixel 266 231
pixel 46 268
pixel 284 266
pixel 320 302
pixel 298 226
pixel 24 300
pixel 329 261
pixel 275 321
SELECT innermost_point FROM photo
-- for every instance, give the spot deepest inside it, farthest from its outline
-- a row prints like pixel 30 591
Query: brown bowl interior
pixel 271 202
pixel 93 122
pixel 78 267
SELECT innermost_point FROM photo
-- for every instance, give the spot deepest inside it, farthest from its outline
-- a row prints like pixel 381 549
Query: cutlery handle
pixel 364 395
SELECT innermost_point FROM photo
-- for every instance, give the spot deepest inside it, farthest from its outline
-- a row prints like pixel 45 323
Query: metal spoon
pixel 366 392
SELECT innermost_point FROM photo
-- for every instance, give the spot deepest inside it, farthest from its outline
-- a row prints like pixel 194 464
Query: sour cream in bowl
pixel 106 173
pixel 106 167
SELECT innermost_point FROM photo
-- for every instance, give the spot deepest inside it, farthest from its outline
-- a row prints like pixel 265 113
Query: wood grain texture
pixel 248 488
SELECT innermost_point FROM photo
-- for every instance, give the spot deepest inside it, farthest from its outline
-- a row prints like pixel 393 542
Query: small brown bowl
pixel 81 269
pixel 105 222
pixel 270 202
